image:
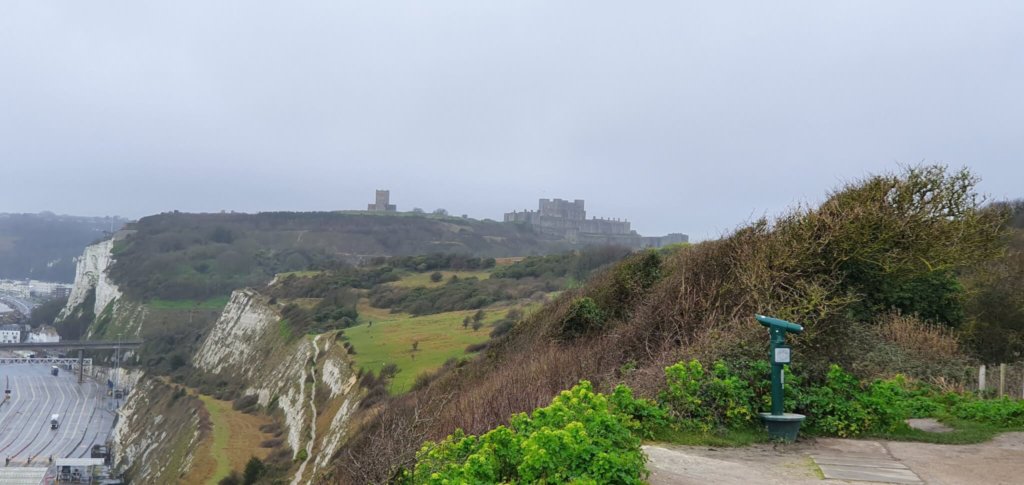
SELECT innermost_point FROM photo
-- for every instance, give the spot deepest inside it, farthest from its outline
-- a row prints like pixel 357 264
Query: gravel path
pixel 999 461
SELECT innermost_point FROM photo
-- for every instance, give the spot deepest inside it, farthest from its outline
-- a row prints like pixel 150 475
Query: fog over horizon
pixel 678 117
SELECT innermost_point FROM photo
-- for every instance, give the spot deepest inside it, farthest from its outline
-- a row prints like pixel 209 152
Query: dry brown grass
pixel 913 335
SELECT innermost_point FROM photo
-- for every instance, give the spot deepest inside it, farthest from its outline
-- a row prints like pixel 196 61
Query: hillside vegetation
pixel 43 246
pixel 176 256
pixel 875 274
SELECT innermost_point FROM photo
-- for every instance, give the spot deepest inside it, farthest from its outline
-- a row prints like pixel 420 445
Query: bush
pixel 1003 412
pixel 579 438
pixel 232 479
pixel 649 415
pixel 705 401
pixel 844 407
pixel 583 317
pixel 254 469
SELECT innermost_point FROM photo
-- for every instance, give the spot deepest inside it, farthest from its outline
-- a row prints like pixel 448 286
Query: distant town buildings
pixel 568 220
pixel 10 334
pixel 34 289
pixel 382 202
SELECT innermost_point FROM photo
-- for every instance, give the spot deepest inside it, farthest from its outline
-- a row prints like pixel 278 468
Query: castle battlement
pixel 568 220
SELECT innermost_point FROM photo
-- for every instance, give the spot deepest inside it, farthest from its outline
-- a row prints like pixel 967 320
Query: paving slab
pixel 860 460
pixel 883 462
pixel 869 474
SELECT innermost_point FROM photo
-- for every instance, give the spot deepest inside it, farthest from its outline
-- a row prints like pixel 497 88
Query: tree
pixel 254 469
pixel 232 479
pixel 479 316
pixel 436 276
pixel 477 324
pixel 465 322
pixel 440 212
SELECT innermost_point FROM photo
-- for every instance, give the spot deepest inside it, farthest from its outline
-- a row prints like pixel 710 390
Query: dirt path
pixel 1000 461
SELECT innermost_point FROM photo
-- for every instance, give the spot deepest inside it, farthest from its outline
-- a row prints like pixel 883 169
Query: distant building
pixel 10 334
pixel 568 220
pixel 44 334
pixel 382 203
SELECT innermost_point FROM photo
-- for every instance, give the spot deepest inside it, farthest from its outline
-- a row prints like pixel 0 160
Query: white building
pixel 43 334
pixel 10 334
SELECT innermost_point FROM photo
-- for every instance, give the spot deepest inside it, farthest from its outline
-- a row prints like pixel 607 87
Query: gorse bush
pixel 580 438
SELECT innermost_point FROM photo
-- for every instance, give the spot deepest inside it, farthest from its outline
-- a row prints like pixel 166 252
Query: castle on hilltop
pixel 382 203
pixel 568 220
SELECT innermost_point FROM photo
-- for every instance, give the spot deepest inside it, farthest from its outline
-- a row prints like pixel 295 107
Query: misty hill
pixel 43 246
pixel 198 256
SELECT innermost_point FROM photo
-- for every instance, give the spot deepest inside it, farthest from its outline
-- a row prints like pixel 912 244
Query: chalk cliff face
pixel 307 379
pixel 158 431
pixel 91 275
pixel 286 374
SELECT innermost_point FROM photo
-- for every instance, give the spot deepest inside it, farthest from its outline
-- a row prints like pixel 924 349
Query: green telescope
pixel 775 323
pixel 780 424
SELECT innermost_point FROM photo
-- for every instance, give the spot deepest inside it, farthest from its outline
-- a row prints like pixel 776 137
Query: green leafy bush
pixel 842 406
pixel 579 438
pixel 707 400
pixel 1002 412
pixel 648 414
pixel 583 316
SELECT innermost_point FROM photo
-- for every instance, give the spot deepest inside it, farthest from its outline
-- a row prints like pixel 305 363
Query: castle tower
pixel 382 202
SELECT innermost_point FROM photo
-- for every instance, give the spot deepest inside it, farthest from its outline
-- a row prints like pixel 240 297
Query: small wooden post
pixel 981 378
pixel 1002 380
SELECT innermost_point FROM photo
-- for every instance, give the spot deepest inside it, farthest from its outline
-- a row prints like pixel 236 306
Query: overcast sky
pixel 681 117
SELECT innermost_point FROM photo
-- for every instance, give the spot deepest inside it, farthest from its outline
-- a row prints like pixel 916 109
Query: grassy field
pixel 235 437
pixel 211 304
pixel 390 337
pixel 220 438
pixel 414 280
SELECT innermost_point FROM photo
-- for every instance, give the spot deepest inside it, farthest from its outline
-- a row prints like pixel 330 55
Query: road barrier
pixel 65 362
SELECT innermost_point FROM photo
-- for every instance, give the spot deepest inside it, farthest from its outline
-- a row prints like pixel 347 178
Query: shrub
pixel 844 407
pixel 649 415
pixel 580 438
pixel 705 401
pixel 1003 412
pixel 501 327
pixel 254 469
pixel 233 478
pixel 583 317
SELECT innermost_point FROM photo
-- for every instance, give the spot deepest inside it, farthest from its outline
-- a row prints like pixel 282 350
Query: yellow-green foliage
pixel 580 438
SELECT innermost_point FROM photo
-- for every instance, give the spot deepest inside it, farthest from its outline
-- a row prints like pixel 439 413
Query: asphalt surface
pixel 86 415
pixel 21 305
